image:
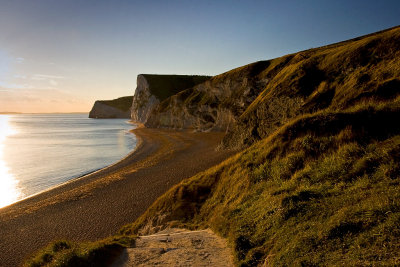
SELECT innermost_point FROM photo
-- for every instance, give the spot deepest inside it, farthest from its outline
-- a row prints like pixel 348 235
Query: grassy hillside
pixel 253 101
pixel 320 184
pixel 323 190
pixel 332 77
pixel 163 86
pixel 121 103
pixel 319 181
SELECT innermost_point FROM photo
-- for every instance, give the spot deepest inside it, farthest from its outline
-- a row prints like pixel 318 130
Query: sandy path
pixel 177 247
pixel 98 204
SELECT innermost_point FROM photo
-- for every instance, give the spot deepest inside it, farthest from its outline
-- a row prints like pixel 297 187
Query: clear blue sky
pixel 61 55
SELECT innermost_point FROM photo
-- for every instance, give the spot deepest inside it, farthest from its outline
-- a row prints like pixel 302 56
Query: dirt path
pixel 98 204
pixel 177 247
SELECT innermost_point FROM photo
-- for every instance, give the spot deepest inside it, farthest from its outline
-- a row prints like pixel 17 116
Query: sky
pixel 62 55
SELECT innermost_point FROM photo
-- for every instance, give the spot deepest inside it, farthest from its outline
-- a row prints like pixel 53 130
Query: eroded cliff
pixel 152 89
pixel 252 101
pixel 213 105
pixel 320 184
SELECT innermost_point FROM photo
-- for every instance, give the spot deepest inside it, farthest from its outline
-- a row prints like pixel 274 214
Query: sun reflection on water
pixel 9 190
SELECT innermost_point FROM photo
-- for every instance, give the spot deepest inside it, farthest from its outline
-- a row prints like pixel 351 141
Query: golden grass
pixel 319 184
pixel 332 77
pixel 322 190
pixel 66 253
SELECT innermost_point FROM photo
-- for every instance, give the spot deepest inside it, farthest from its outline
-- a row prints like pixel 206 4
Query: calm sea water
pixel 40 151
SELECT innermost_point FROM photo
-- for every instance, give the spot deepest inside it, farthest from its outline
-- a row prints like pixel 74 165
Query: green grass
pixel 264 95
pixel 323 190
pixel 332 77
pixel 66 253
pixel 121 103
pixel 164 86
pixel 319 181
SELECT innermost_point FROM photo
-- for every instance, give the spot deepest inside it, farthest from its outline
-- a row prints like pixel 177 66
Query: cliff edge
pixel 319 181
pixel 252 101
pixel 111 109
pixel 152 89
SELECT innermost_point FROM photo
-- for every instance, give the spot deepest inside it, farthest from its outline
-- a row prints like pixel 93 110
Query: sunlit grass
pixel 66 253
pixel 304 196
pixel 319 184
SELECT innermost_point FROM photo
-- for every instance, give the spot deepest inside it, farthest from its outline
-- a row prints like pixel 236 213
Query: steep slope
pixel 332 77
pixel 252 101
pixel 319 183
pixel 152 88
pixel 323 190
pixel 212 105
pixel 116 108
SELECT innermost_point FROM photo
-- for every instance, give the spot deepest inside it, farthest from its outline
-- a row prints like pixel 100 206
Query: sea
pixel 40 151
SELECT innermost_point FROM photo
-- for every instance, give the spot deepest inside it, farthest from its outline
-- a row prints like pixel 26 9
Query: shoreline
pixel 74 178
pixel 84 176
pixel 98 204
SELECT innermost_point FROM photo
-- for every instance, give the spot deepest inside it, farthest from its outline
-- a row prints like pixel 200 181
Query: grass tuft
pixel 66 253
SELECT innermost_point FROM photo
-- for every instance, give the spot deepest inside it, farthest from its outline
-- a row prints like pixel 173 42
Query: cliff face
pixel 109 109
pixel 152 89
pixel 213 105
pixel 322 170
pixel 251 102
pixel 143 101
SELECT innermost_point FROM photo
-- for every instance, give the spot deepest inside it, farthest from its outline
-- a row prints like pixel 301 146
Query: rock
pixel 152 89
pixel 213 105
pixel 143 101
pixel 250 102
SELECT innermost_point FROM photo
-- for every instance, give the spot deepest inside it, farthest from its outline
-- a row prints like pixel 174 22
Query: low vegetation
pixel 122 103
pixel 66 253
pixel 319 181
pixel 322 190
pixel 163 86
pixel 332 77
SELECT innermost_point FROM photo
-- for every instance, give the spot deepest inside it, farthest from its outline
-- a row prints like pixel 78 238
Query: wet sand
pixel 99 204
